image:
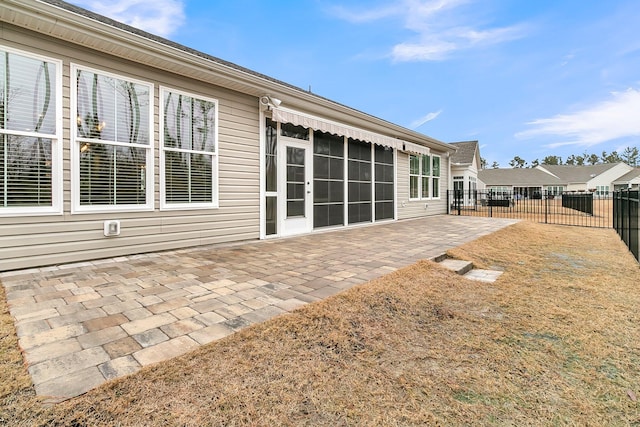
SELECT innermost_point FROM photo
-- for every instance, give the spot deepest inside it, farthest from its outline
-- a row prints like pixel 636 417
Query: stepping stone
pixel 459 266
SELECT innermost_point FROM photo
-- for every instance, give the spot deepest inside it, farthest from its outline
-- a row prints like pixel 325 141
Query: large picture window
pixel 112 142
pixel 30 150
pixel 189 150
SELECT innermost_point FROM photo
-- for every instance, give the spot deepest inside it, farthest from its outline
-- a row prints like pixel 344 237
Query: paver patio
pixel 82 324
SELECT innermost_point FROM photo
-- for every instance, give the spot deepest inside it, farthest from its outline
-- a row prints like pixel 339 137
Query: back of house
pixel 117 142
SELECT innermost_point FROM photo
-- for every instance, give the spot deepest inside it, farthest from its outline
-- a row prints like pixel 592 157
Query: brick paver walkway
pixel 82 324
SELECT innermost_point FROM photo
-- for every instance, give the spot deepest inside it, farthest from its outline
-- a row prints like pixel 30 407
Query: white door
pixel 295 178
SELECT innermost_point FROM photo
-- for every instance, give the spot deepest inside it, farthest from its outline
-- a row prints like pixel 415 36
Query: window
pixel 425 173
pixel 292 131
pixel 423 181
pixel 189 150
pixel 414 177
pixel 30 134
pixel 111 150
pixel 500 191
pixel 602 190
pixel 554 190
pixel 271 177
pixel 435 192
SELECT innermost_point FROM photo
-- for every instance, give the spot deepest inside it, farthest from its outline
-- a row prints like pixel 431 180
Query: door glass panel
pixel 295 182
pixel 271 215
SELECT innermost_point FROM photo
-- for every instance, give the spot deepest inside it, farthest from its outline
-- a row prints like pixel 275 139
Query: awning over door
pixel 284 115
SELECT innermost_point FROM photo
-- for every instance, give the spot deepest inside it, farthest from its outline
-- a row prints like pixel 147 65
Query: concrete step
pixel 465 269
pixel 459 266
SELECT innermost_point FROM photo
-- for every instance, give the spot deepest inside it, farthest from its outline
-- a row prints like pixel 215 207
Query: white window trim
pixel 76 207
pixel 56 147
pixel 164 206
pixel 420 176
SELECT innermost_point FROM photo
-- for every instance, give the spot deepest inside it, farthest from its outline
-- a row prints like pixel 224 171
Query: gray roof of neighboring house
pixel 635 173
pixel 465 153
pixel 578 174
pixel 239 69
pixel 518 177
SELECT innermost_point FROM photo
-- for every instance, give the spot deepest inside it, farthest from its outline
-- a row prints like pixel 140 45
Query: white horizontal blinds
pixel 113 139
pixel 27 130
pixel 189 144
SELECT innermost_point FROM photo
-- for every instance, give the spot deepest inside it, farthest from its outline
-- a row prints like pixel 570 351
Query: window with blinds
pixel 112 141
pixel 189 150
pixel 29 133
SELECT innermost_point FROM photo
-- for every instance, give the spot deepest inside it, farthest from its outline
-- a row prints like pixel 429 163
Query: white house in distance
pixel 598 178
pixel 554 179
pixel 115 142
pixel 465 164
pixel 630 180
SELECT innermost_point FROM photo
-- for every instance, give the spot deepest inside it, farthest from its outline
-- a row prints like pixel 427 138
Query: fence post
pixel 546 206
pixel 489 198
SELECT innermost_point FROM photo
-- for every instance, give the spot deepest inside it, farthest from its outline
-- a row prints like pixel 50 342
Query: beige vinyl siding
pixel 416 208
pixel 54 239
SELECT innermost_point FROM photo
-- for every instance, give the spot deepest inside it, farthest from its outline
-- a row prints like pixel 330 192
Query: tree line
pixel 629 155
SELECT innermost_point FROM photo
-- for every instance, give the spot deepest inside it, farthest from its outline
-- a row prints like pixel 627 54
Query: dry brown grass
pixel 553 342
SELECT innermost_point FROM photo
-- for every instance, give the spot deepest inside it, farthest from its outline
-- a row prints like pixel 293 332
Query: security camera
pixel 276 102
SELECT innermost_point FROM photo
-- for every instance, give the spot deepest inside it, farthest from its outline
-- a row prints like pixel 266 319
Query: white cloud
pixel 161 17
pixel 362 16
pixel 417 123
pixel 440 27
pixel 606 121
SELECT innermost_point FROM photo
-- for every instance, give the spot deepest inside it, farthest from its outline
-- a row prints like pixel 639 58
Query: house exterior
pixel 555 179
pixel 630 180
pixel 524 182
pixel 465 164
pixel 117 142
pixel 595 178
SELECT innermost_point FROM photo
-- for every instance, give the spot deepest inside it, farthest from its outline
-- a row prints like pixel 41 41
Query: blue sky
pixel 524 78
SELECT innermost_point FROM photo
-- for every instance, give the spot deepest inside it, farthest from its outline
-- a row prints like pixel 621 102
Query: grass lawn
pixel 555 341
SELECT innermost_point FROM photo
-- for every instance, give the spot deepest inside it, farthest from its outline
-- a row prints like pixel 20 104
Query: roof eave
pixel 64 24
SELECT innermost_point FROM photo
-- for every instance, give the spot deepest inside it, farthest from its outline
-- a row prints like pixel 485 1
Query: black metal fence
pixel 626 216
pixel 580 208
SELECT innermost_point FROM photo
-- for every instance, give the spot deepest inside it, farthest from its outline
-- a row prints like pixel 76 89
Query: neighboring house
pixel 465 164
pixel 594 178
pixel 116 142
pixel 629 180
pixel 523 182
pixel 554 179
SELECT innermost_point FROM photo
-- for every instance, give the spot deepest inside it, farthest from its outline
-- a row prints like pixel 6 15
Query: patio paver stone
pixel 82 324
